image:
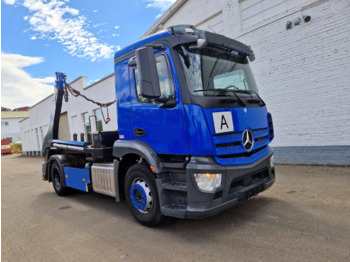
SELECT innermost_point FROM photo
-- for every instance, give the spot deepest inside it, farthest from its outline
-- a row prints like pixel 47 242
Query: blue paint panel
pixel 59 80
pixel 200 141
pixel 122 89
pixel 71 143
pixel 255 118
pixel 260 133
pixel 77 178
pixel 140 43
pixel 204 141
pixel 165 128
pixel 227 148
pixel 238 149
pixel 242 160
pixel 228 138
pixel 186 129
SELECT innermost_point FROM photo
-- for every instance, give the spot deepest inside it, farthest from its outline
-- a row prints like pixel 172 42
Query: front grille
pixel 261 138
pixel 247 154
pixel 228 144
pixel 230 151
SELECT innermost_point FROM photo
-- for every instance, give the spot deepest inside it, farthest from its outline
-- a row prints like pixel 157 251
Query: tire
pixel 142 196
pixel 57 177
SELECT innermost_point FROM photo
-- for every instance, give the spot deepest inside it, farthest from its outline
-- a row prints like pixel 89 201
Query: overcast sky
pixel 77 37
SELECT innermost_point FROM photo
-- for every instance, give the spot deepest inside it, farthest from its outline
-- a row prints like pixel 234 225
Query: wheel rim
pixel 56 179
pixel 141 196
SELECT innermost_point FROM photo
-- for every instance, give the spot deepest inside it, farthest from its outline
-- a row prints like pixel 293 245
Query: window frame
pixel 96 119
pixel 86 133
pixel 170 75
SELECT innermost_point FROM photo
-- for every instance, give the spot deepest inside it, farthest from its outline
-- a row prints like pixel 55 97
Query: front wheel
pixel 142 196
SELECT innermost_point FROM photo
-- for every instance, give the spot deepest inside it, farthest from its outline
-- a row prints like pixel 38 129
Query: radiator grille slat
pixel 230 151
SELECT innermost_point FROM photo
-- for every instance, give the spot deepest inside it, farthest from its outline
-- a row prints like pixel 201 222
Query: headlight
pixel 208 182
pixel 272 162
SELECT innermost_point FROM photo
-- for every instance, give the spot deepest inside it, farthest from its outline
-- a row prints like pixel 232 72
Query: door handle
pixel 139 132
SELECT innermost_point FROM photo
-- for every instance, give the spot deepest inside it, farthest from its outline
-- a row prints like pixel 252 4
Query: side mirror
pixel 251 57
pixel 132 62
pixel 148 74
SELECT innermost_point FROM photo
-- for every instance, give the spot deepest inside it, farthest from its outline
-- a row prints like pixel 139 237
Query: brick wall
pixel 304 75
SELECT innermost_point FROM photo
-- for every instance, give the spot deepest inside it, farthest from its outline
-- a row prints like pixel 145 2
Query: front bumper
pixel 183 199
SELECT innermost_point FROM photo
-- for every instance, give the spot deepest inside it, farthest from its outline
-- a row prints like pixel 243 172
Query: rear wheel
pixel 57 177
pixel 142 196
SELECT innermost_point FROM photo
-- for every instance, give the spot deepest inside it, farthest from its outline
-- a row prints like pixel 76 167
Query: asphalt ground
pixel 304 216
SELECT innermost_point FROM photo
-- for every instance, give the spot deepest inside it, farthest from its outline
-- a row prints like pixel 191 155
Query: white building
pixel 10 128
pixel 74 115
pixel 302 68
pixel 303 72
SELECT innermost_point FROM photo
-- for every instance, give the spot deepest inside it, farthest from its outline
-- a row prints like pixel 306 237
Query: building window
pixel 99 123
pixel 86 124
pixel 4 123
pixel 37 139
pixel 42 133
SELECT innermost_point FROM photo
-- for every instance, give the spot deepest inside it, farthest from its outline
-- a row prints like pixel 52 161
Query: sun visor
pixel 189 34
pixel 223 41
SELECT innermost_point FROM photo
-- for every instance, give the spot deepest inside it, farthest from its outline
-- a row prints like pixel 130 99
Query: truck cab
pixel 193 137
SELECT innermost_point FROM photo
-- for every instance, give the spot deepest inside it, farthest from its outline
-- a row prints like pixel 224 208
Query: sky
pixel 77 37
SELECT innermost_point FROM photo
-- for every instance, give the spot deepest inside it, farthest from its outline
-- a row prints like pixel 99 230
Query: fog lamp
pixel 208 182
pixel 272 162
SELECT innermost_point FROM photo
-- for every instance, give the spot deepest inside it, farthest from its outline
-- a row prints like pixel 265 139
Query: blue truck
pixel 193 134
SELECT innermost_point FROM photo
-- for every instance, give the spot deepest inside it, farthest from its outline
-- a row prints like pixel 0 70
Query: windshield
pixel 213 71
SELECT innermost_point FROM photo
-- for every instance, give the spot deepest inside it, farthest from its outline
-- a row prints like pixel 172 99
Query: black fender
pixel 62 160
pixel 124 147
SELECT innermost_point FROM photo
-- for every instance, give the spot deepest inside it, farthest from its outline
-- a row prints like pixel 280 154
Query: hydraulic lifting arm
pixel 55 119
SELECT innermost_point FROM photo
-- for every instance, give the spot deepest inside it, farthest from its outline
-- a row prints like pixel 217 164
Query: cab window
pixel 165 83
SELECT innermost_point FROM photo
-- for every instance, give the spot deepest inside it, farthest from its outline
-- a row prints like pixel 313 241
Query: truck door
pixel 163 129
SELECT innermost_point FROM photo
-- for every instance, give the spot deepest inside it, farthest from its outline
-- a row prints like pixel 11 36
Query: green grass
pixel 16 148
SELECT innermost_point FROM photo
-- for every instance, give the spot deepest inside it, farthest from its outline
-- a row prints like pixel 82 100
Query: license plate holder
pixel 254 191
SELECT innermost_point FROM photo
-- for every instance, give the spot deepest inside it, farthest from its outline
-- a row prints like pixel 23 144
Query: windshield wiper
pixel 222 90
pixel 250 92
pixel 210 89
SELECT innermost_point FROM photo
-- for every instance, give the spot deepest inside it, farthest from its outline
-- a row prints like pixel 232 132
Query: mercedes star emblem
pixel 247 140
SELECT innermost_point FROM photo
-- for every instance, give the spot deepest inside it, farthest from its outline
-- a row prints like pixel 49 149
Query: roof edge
pixel 78 78
pixel 42 100
pixel 99 81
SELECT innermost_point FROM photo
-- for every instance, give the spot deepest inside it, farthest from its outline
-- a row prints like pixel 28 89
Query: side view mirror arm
pixel 168 104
